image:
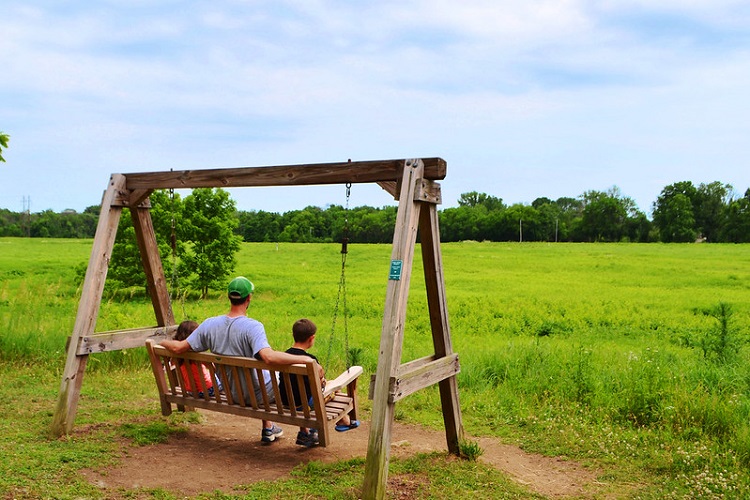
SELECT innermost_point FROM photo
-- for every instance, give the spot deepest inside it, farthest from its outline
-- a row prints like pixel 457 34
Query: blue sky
pixel 523 99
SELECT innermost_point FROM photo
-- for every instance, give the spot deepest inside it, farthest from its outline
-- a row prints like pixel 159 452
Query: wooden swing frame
pixel 410 181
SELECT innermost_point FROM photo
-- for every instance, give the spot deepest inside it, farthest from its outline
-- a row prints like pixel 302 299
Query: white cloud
pixel 522 98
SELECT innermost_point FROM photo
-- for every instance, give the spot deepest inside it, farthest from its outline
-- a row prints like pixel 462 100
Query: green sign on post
pixel 395 273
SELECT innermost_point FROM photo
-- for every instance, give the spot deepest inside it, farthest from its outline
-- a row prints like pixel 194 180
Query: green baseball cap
pixel 240 287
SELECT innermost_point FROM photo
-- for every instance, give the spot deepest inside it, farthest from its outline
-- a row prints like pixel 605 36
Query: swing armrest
pixel 342 380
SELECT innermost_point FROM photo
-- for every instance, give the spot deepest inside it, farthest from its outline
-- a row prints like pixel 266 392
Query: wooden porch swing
pixel 412 182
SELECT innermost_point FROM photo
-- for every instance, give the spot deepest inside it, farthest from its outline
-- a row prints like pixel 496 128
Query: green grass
pixel 592 352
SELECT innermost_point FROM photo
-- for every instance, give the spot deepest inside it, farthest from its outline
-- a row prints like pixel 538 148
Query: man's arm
pixel 272 357
pixel 176 346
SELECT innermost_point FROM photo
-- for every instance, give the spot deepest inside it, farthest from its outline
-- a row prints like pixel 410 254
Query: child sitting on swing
pixel 303 332
pixel 184 330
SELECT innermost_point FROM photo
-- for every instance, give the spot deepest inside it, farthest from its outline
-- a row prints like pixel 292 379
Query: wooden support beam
pixel 152 266
pixel 88 307
pixel 355 172
pixel 391 338
pixel 122 339
pixel 429 192
pixel 418 377
pixel 432 261
pixel 390 187
pixel 125 198
pixel 139 196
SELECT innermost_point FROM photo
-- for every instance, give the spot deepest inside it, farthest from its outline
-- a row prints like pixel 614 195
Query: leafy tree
pixel 308 225
pixel 4 139
pixel 604 215
pixel 570 213
pixel 11 223
pixel 208 223
pixel 638 228
pixel 737 226
pixel 126 267
pixel 710 208
pixel 370 225
pixel 675 220
pixel 259 226
pixel 474 199
pixel 674 214
pixel 460 223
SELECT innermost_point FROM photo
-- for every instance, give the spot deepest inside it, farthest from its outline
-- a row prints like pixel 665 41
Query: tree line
pixel 683 212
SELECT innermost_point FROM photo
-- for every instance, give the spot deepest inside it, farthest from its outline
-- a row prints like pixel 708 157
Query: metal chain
pixel 341 296
pixel 175 292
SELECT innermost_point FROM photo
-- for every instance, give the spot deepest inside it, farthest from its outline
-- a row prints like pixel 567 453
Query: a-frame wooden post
pixel 393 381
pixel 88 307
pixel 115 198
pixel 432 261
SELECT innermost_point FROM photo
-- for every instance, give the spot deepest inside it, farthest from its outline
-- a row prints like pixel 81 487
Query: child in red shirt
pixel 184 330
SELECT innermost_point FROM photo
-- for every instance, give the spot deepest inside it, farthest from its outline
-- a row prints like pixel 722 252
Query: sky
pixel 523 99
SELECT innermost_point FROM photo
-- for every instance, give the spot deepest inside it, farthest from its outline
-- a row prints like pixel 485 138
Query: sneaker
pixel 307 439
pixel 271 434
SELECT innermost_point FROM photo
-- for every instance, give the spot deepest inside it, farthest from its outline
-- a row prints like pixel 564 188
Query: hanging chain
pixel 341 296
pixel 175 292
pixel 173 241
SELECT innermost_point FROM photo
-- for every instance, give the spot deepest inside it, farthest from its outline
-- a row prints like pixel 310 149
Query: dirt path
pixel 226 451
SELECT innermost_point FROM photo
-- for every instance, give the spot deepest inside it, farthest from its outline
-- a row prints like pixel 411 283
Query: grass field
pixel 629 357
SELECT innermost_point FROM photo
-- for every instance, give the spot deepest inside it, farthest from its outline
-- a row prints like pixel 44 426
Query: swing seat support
pixel 170 384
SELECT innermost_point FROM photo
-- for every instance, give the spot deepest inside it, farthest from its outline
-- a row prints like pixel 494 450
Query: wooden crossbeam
pixel 418 374
pixel 293 175
pixel 414 376
pixel 117 340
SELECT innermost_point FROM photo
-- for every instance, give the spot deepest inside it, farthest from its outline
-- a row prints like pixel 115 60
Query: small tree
pixel 209 221
pixel 4 138
pixel 126 267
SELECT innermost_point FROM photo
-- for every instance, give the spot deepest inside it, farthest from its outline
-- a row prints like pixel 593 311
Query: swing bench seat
pixel 170 383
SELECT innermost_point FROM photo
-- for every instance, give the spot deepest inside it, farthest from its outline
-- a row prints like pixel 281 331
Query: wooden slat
pixel 286 381
pixel 290 175
pixel 159 369
pixel 122 339
pixel 409 382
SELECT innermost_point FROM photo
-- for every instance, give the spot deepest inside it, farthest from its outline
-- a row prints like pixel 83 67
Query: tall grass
pixel 592 351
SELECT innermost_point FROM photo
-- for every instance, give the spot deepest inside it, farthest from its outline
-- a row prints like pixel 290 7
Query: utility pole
pixel 520 230
pixel 555 230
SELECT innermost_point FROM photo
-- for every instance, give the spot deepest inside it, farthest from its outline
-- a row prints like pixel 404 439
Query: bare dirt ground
pixel 226 451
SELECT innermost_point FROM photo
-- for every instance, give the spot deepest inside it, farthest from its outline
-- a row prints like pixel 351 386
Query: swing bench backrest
pixel 235 372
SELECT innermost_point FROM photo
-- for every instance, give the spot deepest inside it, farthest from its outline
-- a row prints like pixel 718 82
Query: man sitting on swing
pixel 235 334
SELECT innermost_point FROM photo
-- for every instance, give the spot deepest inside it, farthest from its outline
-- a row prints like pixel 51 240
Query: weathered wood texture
pixel 292 175
pixel 418 374
pixel 122 339
pixel 432 261
pixel 171 384
pixel 391 338
pixel 152 266
pixel 88 308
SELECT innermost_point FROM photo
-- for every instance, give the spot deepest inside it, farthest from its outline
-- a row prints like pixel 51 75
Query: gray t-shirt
pixel 239 336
